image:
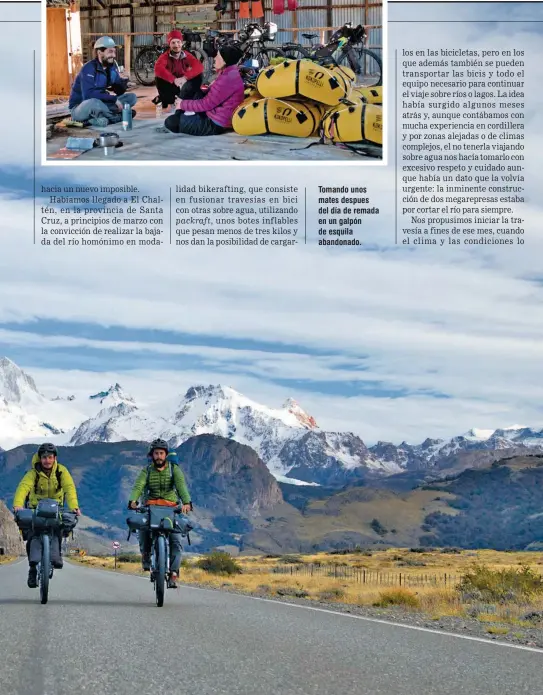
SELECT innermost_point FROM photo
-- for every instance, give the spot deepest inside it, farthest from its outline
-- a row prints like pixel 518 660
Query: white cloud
pixel 465 323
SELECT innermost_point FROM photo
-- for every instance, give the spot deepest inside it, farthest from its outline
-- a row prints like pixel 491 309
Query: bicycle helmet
pixel 46 449
pixel 159 444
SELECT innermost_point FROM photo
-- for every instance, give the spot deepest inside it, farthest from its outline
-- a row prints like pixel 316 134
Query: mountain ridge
pixel 288 439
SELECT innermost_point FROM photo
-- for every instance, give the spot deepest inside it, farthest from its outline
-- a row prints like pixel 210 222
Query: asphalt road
pixel 101 633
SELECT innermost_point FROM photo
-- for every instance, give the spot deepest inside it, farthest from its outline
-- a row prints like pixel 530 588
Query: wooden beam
pixel 329 18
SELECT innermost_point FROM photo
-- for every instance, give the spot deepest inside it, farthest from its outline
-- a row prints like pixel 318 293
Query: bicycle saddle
pixel 309 36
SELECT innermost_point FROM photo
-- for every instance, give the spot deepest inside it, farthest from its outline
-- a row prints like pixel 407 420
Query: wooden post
pixel 128 55
pixel 328 16
pixel 115 558
pixel 295 26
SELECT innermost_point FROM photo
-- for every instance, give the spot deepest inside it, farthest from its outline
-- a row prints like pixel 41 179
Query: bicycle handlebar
pixel 141 509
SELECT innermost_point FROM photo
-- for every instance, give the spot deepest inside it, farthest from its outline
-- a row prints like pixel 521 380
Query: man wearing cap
pixel 178 73
pixel 98 93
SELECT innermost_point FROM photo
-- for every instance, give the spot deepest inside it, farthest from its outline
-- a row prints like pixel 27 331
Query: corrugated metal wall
pixel 143 20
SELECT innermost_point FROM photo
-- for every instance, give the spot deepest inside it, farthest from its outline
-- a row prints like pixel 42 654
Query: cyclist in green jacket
pixel 162 482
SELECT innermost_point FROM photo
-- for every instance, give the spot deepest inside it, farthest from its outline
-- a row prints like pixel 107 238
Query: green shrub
pixel 502 586
pixel 129 557
pixel 378 527
pixel 291 560
pixel 397 597
pixel 332 594
pixel 292 591
pixel 219 562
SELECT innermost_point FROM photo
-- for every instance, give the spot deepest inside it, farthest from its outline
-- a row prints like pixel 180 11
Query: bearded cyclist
pixel 48 479
pixel 161 483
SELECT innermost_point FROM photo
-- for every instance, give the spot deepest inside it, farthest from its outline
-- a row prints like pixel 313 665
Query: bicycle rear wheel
pixel 45 568
pixel 366 64
pixel 144 66
pixel 206 61
pixel 294 51
pixel 265 56
pixel 160 570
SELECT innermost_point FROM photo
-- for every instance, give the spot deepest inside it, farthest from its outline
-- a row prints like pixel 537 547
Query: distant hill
pixel 230 485
pixel 239 503
pixel 499 506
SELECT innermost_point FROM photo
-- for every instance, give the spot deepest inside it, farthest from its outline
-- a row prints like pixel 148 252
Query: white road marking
pixel 484 640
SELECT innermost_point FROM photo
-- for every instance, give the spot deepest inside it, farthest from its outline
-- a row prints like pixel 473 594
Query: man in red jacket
pixel 177 73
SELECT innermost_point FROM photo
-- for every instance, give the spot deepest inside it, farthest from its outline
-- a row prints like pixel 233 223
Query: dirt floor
pixel 144 142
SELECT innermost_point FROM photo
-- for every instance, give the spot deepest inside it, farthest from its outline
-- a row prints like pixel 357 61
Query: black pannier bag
pixel 69 521
pixel 161 517
pixel 137 520
pixel 210 44
pixel 24 519
pixel 47 509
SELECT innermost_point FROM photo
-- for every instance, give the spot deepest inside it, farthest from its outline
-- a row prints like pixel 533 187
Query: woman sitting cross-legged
pixel 211 114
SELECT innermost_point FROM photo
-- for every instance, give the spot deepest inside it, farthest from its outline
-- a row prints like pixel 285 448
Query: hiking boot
pixel 32 581
pixel 146 563
pixel 172 580
pixel 100 122
pixel 57 564
pixel 134 112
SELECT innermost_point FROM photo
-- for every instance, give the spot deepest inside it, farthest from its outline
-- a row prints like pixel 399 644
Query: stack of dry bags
pixel 297 98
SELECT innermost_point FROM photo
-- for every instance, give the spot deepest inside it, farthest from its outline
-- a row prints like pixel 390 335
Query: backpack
pixel 58 473
pixel 150 467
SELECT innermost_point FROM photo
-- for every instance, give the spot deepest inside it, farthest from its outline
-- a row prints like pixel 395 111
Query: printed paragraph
pixel 461 152
pixel 101 216
pixel 237 215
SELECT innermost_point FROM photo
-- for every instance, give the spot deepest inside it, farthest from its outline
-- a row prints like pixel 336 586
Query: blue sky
pixel 390 343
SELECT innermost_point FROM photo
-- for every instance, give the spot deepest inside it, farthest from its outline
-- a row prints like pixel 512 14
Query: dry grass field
pixel 498 588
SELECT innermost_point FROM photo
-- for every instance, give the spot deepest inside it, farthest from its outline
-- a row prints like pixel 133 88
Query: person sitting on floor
pixel 177 73
pixel 212 114
pixel 98 92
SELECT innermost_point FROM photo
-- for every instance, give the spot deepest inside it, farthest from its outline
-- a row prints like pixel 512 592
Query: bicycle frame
pixel 160 547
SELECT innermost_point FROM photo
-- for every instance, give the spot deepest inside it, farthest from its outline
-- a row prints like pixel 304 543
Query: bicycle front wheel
pixel 366 65
pixel 144 66
pixel 45 568
pixel 160 570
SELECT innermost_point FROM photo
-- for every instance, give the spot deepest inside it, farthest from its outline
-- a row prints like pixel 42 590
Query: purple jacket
pixel 225 95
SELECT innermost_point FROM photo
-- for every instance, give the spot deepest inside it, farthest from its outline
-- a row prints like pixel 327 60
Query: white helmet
pixel 105 42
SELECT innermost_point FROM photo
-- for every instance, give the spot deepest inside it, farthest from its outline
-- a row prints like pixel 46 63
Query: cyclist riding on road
pixel 161 483
pixel 47 479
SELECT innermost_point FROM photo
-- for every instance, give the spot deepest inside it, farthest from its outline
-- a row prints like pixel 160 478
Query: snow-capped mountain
pixel 25 413
pixel 117 423
pixel 114 395
pixel 286 438
pixel 433 451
